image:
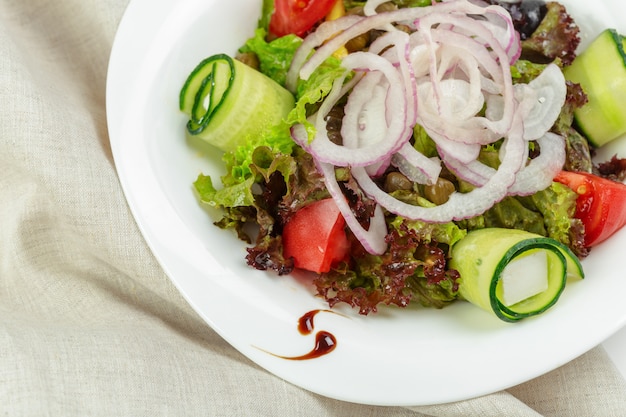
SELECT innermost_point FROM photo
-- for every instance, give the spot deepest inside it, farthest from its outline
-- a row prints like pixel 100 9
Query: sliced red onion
pixel 358 121
pixel 490 56
pixel 365 121
pixel 502 28
pixel 542 99
pixel 369 9
pixel 396 48
pixel 378 169
pixel 454 64
pixel 461 152
pixel 454 99
pixel 460 205
pixel 372 239
pixel 416 166
pixel 474 172
pixel 540 171
pixel 357 27
pixel 324 31
pixel 300 135
pixel 535 176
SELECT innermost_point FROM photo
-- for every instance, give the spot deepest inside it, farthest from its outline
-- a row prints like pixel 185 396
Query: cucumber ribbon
pixel 601 71
pixel 229 103
pixel 482 256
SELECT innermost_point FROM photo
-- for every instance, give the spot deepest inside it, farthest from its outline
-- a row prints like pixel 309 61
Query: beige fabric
pixel 89 323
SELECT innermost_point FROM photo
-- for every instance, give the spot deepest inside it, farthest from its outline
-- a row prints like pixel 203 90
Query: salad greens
pixel 268 178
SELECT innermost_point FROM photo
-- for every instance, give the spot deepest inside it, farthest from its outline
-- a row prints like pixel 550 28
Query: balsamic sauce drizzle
pixel 305 323
pixel 325 342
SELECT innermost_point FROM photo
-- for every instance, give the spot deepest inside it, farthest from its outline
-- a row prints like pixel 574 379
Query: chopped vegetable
pixel 338 10
pixel 601 71
pixel 548 213
pixel 297 16
pixel 413 269
pixel 524 277
pixel 526 14
pixel 512 273
pixel 229 102
pixel 555 39
pixel 451 75
pixel 273 56
pixel 601 204
pixel 315 237
pixel 406 143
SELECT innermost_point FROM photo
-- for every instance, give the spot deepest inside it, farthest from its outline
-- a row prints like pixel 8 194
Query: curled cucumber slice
pixel 513 273
pixel 229 102
pixel 601 71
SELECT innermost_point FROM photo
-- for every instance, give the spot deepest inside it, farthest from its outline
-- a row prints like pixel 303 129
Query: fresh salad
pixel 416 151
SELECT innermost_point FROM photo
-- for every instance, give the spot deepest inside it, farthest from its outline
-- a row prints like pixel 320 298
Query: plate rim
pixel 117 89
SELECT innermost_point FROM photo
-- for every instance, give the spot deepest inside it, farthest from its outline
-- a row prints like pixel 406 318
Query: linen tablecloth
pixel 89 323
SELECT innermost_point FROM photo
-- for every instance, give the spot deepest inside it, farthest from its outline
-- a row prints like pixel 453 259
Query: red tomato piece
pixel 297 16
pixel 601 204
pixel 315 237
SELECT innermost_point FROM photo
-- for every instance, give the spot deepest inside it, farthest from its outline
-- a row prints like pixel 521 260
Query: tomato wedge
pixel 315 237
pixel 601 204
pixel 297 16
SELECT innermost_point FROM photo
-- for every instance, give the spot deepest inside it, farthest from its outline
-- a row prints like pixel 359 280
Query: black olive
pixel 333 124
pixel 526 14
pixel 534 12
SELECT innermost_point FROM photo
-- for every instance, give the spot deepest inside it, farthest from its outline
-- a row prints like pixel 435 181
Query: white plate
pixel 397 357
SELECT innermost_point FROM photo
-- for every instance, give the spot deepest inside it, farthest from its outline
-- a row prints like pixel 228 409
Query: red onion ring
pixel 454 63
pixel 372 239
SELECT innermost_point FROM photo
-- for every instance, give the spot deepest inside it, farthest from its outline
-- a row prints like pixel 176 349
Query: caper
pixel 356 10
pixel 386 7
pixel 404 28
pixel 358 43
pixel 439 192
pixel 250 59
pixel 396 181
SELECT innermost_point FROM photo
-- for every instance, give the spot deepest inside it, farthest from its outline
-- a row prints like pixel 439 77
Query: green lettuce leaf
pixel 275 56
pixel 413 269
pixel 266 14
pixel 557 205
pixel 446 233
pixel 557 36
pixel 311 92
pixel 235 195
pixel 549 212
pixel 277 140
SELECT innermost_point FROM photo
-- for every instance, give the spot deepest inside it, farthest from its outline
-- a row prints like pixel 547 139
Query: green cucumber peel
pixel 537 304
pixel 601 71
pixel 230 103
pixel 482 255
pixel 209 83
